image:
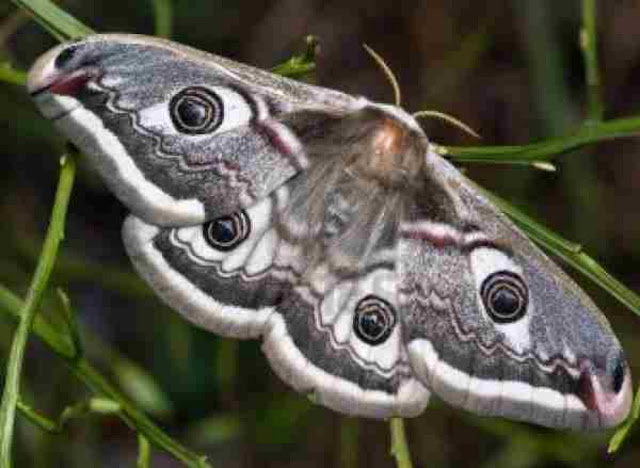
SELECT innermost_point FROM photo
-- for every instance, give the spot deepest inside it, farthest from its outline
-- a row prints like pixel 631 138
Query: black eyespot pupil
pixel 505 296
pixel 196 111
pixel 374 320
pixel 372 323
pixel 227 232
pixel 222 230
pixel 505 302
pixel 193 113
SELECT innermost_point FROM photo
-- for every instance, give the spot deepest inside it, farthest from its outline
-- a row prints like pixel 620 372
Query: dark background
pixel 511 69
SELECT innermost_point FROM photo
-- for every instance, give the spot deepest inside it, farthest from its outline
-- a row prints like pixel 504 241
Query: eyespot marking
pixel 505 296
pixel 196 111
pixel 374 320
pixel 227 232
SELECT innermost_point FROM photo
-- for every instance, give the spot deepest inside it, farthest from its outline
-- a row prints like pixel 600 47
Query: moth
pixel 325 225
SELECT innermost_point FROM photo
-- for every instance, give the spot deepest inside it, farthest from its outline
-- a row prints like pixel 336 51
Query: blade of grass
pixel 60 343
pixel 548 149
pixel 54 19
pixel 589 46
pixel 349 434
pixel 71 322
pixel 38 419
pixel 399 446
pixel 136 418
pixel 54 237
pixel 570 252
pixel 223 428
pixel 138 384
pixel 12 306
pixel 12 76
pixel 144 452
pixel 92 406
pixel 163 17
pixel 623 431
pixel 595 113
pixel 302 64
pixel 73 267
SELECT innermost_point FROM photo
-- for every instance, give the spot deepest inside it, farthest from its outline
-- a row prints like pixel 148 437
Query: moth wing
pixel 217 285
pixel 330 327
pixel 492 325
pixel 179 135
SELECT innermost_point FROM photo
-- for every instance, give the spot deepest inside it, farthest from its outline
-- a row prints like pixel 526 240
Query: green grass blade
pixel 298 66
pixel 144 452
pixel 589 46
pixel 140 386
pixel 60 344
pixel 163 17
pixel 38 419
pixel 38 286
pixel 570 252
pixel 348 440
pixel 69 316
pixel 548 149
pixel 623 431
pixel 399 445
pixel 54 19
pixel 10 75
pixel 94 405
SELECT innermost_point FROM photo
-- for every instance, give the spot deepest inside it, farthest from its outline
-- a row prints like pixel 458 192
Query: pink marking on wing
pixel 70 85
pixel 443 235
pixel 439 239
pixel 611 407
pixel 284 141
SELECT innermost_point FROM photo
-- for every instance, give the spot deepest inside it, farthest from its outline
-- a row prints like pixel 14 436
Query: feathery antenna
pixel 388 73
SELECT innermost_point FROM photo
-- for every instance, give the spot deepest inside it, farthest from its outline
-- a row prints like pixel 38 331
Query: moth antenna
pixel 388 73
pixel 448 118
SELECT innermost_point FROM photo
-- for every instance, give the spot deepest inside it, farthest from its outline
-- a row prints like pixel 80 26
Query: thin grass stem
pixel 589 46
pixel 399 445
pixel 54 237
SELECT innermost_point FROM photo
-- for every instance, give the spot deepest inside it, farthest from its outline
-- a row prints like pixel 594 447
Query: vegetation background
pixel 511 69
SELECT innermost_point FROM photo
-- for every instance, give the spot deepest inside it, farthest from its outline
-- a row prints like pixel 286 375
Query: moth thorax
pixel 394 154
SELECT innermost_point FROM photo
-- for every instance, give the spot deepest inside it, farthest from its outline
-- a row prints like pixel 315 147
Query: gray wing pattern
pixel 330 331
pixel 460 280
pixel 267 208
pixel 179 135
